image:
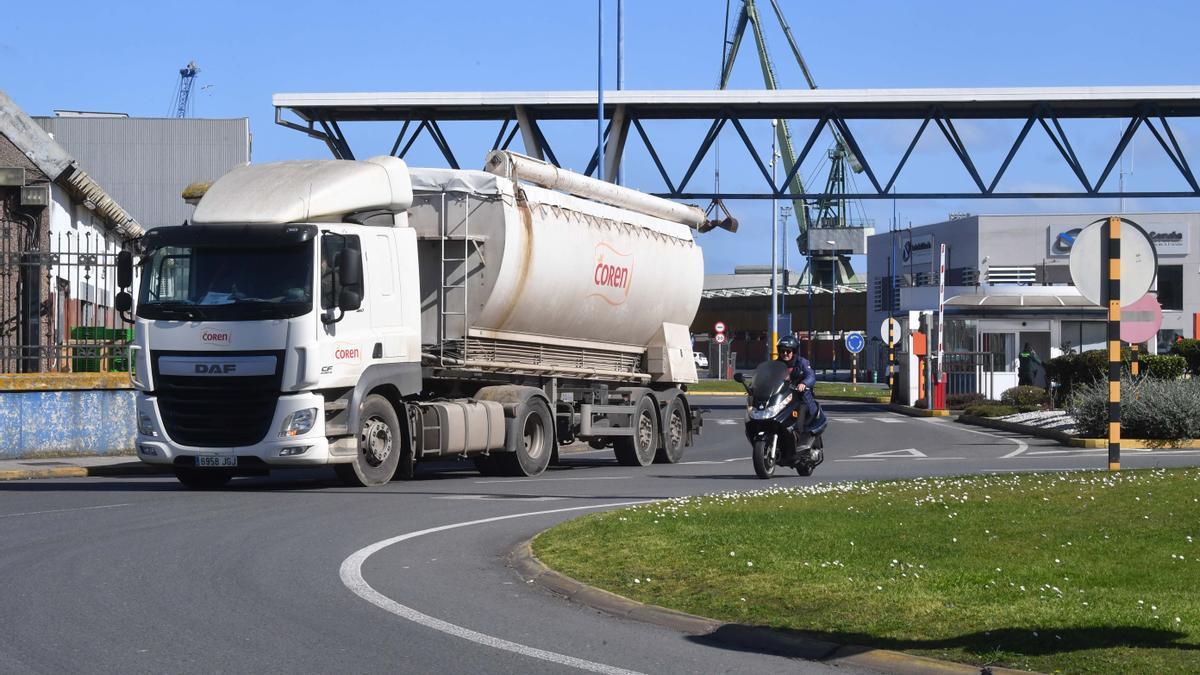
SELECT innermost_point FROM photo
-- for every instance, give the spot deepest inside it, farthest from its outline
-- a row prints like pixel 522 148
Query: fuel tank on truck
pixel 535 276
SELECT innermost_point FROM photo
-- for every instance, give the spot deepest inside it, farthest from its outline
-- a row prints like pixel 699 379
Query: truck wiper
pixel 177 308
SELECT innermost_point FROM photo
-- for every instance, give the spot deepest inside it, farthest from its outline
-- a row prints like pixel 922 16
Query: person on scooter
pixel 803 378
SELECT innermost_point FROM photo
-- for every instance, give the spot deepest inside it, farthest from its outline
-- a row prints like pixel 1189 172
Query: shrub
pixel 1164 366
pixel 1025 398
pixel 1167 410
pixel 960 401
pixel 989 409
pixel 1190 351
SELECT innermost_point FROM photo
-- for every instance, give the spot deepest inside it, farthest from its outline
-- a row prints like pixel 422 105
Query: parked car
pixel 701 360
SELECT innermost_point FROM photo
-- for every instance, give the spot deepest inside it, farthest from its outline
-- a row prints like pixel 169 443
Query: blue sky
pixel 125 57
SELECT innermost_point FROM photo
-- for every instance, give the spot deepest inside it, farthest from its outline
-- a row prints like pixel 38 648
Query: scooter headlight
pixel 770 410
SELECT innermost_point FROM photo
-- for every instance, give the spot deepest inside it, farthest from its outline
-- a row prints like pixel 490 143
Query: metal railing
pixel 56 303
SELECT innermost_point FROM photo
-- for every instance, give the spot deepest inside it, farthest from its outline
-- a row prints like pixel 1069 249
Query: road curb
pixel 108 471
pixel 1074 441
pixel 757 638
pixel 1001 425
pixel 917 412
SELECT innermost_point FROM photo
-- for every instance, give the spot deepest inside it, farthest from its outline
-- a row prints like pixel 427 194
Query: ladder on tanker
pixel 447 312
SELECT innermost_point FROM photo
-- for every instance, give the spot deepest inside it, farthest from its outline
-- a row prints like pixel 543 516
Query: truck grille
pixel 217 411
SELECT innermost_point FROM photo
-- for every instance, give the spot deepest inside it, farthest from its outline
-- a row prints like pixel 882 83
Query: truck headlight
pixel 146 426
pixel 299 423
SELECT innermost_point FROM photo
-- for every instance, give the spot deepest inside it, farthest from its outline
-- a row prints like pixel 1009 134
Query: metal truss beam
pixel 321 117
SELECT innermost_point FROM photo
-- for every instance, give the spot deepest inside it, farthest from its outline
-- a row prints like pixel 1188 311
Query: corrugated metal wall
pixel 145 163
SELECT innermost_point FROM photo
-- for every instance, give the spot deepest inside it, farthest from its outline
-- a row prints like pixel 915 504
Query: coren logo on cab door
pixel 219 337
pixel 216 368
pixel 346 352
pixel 612 275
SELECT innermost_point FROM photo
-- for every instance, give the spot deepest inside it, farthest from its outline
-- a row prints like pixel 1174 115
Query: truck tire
pixel 529 447
pixel 380 444
pixel 639 449
pixel 674 433
pixel 203 479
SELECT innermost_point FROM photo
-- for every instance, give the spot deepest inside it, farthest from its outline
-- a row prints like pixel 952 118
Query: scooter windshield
pixel 768 379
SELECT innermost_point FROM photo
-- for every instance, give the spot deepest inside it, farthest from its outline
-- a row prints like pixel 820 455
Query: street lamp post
pixel 773 332
pixel 833 307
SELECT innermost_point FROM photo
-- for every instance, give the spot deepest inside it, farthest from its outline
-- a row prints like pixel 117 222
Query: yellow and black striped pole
pixel 1134 370
pixel 891 360
pixel 1112 254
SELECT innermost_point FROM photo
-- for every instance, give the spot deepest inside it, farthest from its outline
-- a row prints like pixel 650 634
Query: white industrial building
pixel 1008 283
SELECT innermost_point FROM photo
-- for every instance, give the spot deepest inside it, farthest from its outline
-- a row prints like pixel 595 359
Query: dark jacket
pixel 801 372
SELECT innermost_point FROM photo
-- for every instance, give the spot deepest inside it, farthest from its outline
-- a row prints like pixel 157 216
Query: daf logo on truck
pixel 216 368
pixel 612 274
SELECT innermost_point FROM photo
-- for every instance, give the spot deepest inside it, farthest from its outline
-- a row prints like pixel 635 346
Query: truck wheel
pixel 380 445
pixel 674 434
pixel 530 446
pixel 203 479
pixel 639 449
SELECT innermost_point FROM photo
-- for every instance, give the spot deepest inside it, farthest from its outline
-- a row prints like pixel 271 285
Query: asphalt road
pixel 294 573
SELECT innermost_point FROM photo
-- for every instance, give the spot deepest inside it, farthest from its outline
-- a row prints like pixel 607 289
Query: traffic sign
pixel 720 338
pixel 1141 320
pixel 890 332
pixel 1139 263
pixel 720 327
pixel 855 342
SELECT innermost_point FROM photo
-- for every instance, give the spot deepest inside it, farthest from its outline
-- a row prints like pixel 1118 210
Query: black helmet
pixel 788 342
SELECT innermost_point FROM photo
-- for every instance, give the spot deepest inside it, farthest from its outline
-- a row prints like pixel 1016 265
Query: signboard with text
pixel 1169 240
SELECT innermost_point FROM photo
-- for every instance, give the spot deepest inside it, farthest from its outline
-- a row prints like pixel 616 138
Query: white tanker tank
pixel 552 279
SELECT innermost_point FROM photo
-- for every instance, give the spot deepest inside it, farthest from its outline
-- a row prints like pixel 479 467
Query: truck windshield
pixel 222 282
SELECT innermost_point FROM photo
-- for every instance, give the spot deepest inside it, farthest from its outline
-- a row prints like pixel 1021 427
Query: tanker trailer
pixel 369 316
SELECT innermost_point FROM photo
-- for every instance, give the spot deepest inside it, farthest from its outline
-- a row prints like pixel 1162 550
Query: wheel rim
pixel 675 429
pixel 645 432
pixel 376 441
pixel 534 437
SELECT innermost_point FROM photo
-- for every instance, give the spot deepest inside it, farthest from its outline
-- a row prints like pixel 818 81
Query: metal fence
pixel 970 372
pixel 56 302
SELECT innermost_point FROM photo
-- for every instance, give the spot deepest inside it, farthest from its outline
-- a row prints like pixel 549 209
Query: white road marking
pixel 1022 446
pixel 81 508
pixel 888 420
pixel 718 461
pixel 846 420
pixel 724 421
pixel 906 453
pixel 351 575
pixel 499 498
pixel 546 480
pixel 861 460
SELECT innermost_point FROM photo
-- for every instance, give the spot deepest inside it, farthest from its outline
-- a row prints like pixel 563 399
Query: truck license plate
pixel 219 461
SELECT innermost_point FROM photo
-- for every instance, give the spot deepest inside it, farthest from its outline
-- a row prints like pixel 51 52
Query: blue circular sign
pixel 855 342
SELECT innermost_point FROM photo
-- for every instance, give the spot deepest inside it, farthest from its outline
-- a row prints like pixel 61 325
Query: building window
pixel 1170 286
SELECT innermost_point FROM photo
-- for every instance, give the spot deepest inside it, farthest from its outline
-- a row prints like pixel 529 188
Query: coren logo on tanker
pixel 612 275
pixel 221 337
pixel 347 352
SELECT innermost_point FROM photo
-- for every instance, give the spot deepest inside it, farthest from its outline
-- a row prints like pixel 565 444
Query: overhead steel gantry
pixel 1043 110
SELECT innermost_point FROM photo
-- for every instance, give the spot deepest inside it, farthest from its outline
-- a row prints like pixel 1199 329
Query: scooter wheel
pixel 764 461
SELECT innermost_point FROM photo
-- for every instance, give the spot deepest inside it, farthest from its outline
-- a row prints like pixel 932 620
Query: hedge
pixel 1167 410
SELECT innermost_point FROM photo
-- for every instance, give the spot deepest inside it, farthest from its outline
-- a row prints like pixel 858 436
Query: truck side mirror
pixel 124 302
pixel 124 269
pixel 738 377
pixel 349 299
pixel 349 269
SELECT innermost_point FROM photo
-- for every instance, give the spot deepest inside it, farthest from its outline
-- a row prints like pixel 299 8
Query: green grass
pixel 867 391
pixel 1074 572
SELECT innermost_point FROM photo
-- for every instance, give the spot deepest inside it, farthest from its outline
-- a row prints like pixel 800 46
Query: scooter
pixel 777 423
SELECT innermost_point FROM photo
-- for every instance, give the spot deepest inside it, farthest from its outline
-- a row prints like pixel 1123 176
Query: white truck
pixel 369 315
